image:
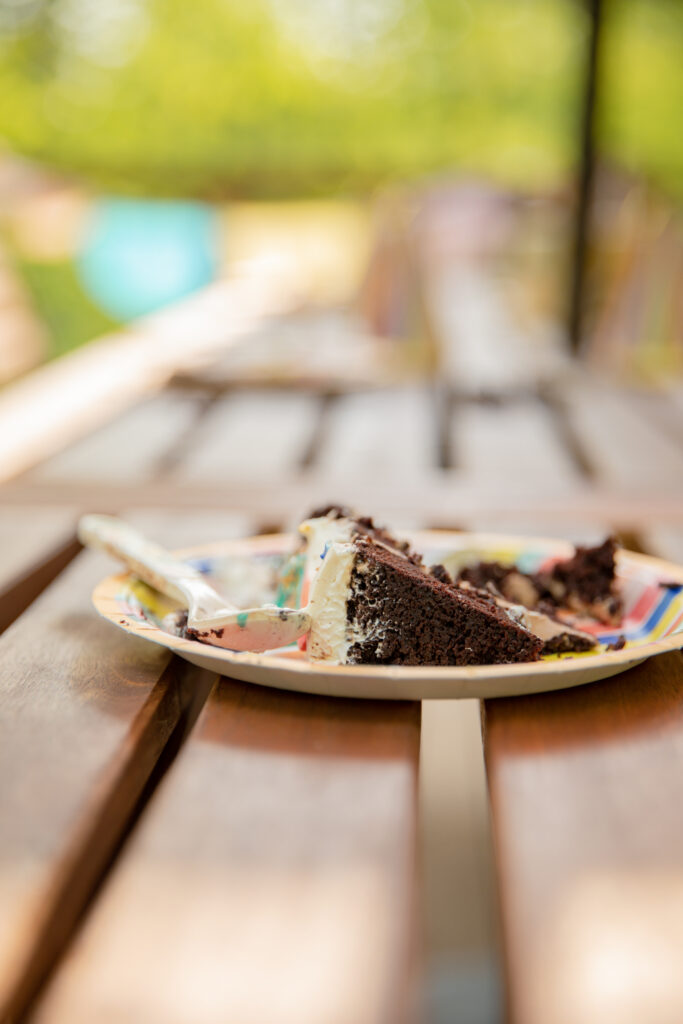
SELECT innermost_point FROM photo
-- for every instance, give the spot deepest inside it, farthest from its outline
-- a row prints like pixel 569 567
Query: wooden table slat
pixel 442 498
pixel 29 533
pixel 129 448
pixel 516 442
pixel 379 435
pixel 262 435
pixel 85 713
pixel 586 787
pixel 272 878
pixel 623 446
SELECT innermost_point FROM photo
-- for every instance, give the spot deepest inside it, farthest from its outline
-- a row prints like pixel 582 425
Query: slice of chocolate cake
pixel 584 584
pixel 374 604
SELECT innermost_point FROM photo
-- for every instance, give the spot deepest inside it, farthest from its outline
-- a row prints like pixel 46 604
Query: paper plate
pixel 246 571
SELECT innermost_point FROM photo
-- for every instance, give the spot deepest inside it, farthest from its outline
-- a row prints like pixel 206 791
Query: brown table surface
pixel 251 855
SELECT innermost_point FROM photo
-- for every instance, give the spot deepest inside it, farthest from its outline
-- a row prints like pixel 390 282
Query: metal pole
pixel 587 133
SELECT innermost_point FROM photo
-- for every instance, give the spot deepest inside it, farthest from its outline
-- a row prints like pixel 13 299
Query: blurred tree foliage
pixel 642 116
pixel 236 98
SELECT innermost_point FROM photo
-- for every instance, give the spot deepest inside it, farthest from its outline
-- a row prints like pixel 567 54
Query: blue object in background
pixel 139 255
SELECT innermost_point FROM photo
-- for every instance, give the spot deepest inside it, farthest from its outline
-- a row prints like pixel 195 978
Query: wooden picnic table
pixel 179 847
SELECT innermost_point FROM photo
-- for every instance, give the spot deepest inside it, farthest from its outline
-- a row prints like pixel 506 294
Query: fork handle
pixel 149 561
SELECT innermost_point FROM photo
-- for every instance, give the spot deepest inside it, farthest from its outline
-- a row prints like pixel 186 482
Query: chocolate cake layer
pixel 401 615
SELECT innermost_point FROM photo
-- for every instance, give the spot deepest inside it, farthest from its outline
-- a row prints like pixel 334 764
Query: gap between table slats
pixel 272 878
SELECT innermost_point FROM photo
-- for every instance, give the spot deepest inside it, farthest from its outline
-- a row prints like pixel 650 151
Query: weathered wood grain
pixel 85 713
pixel 272 878
pixel 586 787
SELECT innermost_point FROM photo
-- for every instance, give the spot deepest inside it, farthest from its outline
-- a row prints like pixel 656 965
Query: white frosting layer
pixel 331 635
pixel 328 638
pixel 320 533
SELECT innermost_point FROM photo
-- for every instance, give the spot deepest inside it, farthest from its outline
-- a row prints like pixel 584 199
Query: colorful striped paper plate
pixel 249 571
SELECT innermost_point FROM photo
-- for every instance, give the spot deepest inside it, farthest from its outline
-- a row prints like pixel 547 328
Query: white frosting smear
pixel 328 640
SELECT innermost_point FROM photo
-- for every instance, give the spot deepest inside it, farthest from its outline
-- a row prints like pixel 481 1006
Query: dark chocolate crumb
pixel 335 511
pixel 440 572
pixel 568 643
pixel 618 644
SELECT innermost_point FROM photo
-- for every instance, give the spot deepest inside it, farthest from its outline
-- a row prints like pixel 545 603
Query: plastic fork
pixel 209 617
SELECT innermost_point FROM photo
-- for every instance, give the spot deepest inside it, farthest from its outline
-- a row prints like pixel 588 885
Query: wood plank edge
pixel 17 594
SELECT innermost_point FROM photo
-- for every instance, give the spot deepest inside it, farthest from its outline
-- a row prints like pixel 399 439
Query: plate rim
pixel 105 602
